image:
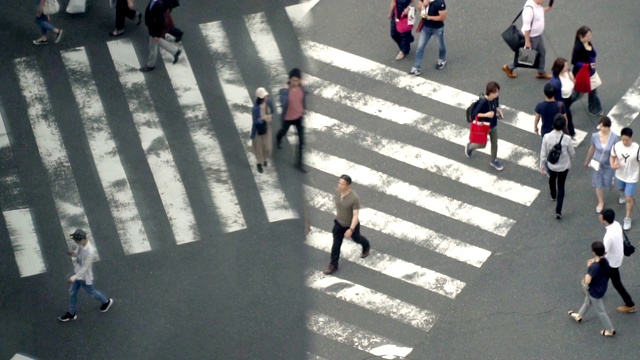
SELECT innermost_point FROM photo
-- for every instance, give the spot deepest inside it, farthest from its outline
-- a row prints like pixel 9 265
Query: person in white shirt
pixel 83 258
pixel 532 28
pixel 613 244
pixel 625 159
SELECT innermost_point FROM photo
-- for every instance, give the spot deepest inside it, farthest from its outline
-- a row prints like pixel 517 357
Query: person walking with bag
pixel 398 10
pixel 614 247
pixel 261 129
pixel 625 159
pixel 433 13
pixel 598 158
pixel 125 9
pixel 594 284
pixel 532 28
pixel 44 10
pixel 488 109
pixel 83 258
pixel 557 165
pixel 294 104
pixel 584 55
pixel 563 82
pixel 346 223
pixel 154 17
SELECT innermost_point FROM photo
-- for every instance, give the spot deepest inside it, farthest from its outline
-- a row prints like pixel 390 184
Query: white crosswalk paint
pixel 207 147
pixel 21 357
pixel 419 85
pixel 298 13
pixel 268 51
pixel 161 162
pixel 133 236
pixel 423 122
pixel 354 336
pixel 404 230
pixel 311 356
pixel 389 265
pixel 403 190
pixel 424 159
pixel 372 300
pixel 24 240
pixel 239 102
pixel 627 109
pixel 52 151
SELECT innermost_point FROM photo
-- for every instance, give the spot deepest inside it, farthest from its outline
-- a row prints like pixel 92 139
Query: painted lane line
pixel 405 116
pixel 13 195
pixel 207 147
pixel 425 160
pixel 372 300
pixel 403 190
pixel 298 13
pixel 267 48
pixel 311 356
pixel 154 143
pixel 239 102
pixel 389 265
pixel 24 240
pixel 354 336
pixel 404 230
pixel 21 357
pixel 416 84
pixel 105 153
pixel 627 109
pixel 52 151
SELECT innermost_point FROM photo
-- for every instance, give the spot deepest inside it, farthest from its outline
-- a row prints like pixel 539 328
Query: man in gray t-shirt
pixel 346 223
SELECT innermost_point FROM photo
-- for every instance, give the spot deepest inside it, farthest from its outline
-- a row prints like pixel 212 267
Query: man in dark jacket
pixel 154 17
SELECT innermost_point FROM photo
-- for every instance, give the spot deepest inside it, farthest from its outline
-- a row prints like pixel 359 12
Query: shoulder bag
pixel 51 7
pixel 595 165
pixel 402 24
pixel 628 247
pixel 261 128
pixel 513 36
pixel 554 155
pixel 583 80
pixel 595 81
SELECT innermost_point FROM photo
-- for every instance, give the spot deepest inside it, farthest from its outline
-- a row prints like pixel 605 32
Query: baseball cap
pixel 79 234
pixel 261 93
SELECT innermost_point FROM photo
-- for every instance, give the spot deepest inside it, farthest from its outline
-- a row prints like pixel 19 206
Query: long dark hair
pixel 582 32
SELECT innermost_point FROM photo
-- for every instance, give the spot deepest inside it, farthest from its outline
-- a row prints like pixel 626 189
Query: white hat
pixel 261 93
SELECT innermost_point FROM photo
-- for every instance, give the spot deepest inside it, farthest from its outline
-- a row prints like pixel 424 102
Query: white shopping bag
pixel 412 15
pixel 76 6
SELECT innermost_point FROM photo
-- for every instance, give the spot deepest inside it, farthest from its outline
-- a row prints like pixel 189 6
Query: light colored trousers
pixel 263 146
pixel 598 305
pixel 153 49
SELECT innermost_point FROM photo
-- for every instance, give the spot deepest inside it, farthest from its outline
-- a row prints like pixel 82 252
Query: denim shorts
pixel 628 188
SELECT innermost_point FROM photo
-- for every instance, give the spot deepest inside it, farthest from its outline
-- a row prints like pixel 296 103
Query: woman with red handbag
pixel 398 16
pixel 584 57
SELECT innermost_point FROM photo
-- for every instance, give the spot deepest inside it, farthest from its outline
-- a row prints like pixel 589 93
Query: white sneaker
pixel 622 199
pixel 626 225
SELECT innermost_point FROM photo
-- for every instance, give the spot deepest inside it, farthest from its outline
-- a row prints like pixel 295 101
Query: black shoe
pixel 178 39
pixel 147 68
pixel 330 270
pixel 68 317
pixel 116 33
pixel 260 168
pixel 301 168
pixel 139 18
pixel 176 56
pixel 365 253
pixel 559 216
pixel 265 163
pixel 106 306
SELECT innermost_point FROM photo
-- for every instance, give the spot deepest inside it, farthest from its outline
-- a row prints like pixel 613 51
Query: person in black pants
pixel 559 170
pixel 125 8
pixel 293 101
pixel 346 223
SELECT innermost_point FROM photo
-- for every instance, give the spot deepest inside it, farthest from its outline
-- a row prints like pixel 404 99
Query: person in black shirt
pixel 547 110
pixel 487 109
pixel 585 53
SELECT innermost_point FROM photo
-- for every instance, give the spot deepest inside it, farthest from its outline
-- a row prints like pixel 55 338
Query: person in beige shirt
pixel 346 223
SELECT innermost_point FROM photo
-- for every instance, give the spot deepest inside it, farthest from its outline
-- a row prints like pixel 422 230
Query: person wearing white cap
pixel 261 140
pixel 83 258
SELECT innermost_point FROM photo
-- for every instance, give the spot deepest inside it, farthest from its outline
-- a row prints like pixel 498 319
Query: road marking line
pixel 404 230
pixel 105 153
pixel 298 13
pixel 311 356
pixel 24 240
pixel 403 190
pixel 389 265
pixel 627 109
pixel 372 300
pixel 206 144
pixel 154 144
pixel 239 102
pixel 416 84
pixel 424 159
pixel 405 116
pixel 21 357
pixel 54 156
pixel 354 336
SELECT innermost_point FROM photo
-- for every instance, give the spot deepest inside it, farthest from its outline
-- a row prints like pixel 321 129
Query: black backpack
pixel 471 110
pixel 556 151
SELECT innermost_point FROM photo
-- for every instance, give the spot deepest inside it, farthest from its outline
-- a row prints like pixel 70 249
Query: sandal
pixel 575 316
pixel 605 333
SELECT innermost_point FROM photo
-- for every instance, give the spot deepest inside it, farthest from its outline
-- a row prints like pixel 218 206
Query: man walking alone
pixel 154 17
pixel 83 258
pixel 346 223
pixel 294 104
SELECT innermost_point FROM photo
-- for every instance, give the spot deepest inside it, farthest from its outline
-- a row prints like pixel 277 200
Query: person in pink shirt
pixel 293 101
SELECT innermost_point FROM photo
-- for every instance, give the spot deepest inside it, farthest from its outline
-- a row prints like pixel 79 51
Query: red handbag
pixel 402 24
pixel 583 79
pixel 479 131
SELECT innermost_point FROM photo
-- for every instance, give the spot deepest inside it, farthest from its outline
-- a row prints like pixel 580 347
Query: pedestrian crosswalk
pixel 417 250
